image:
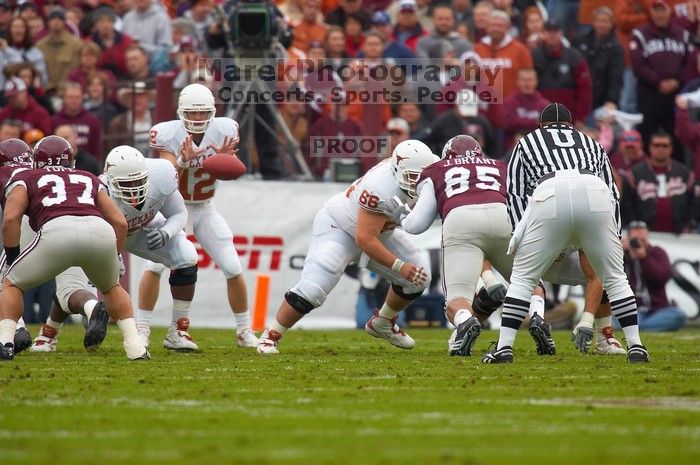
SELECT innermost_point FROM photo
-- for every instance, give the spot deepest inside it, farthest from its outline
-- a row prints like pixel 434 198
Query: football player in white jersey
pixel 145 190
pixel 187 142
pixel 350 227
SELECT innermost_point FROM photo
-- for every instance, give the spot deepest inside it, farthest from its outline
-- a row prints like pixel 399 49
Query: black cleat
pixel 541 334
pixel 23 340
pixel 502 355
pixel 96 330
pixel 7 352
pixel 465 336
pixel 637 354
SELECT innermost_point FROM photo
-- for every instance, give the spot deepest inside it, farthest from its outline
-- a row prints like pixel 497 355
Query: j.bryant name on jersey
pixel 469 161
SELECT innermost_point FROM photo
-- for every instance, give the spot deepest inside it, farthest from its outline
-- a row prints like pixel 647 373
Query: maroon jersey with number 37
pixel 466 181
pixel 57 191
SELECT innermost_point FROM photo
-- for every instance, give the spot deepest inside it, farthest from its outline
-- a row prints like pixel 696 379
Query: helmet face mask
pixel 199 100
pixel 53 151
pixel 127 173
pixel 408 160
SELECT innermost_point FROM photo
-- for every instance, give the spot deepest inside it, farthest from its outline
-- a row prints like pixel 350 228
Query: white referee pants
pixel 570 210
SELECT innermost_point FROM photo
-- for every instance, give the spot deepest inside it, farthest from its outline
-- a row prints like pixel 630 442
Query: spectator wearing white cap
pixel 22 107
pixel 421 7
pixel 398 131
pixel 408 30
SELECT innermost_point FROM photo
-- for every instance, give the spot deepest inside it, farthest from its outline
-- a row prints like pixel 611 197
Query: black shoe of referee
pixel 496 355
pixel 637 354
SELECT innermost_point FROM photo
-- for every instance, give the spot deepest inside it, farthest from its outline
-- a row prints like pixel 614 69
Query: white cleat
pixel 606 344
pixel 46 340
pixel 385 328
pixel 247 338
pixel 178 338
pixel 268 342
pixel 144 335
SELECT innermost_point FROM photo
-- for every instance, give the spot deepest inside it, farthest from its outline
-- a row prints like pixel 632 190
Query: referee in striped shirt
pixel 561 195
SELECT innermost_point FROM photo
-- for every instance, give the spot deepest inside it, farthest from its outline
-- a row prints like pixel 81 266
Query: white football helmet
pixel 408 160
pixel 196 97
pixel 127 173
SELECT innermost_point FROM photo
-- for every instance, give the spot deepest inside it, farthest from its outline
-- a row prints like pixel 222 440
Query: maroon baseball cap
pixel 630 138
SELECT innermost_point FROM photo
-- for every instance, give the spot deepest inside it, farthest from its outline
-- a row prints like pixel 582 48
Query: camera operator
pixel 270 165
pixel 648 269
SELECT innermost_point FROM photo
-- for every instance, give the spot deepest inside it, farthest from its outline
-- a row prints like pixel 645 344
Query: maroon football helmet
pixel 15 152
pixel 53 151
pixel 461 146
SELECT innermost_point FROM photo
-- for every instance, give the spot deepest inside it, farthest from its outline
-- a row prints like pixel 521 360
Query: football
pixel 224 167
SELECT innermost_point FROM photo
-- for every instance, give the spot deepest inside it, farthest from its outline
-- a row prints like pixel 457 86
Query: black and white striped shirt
pixel 553 148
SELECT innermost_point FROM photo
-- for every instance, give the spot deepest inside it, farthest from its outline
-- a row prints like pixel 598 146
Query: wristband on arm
pixel 11 254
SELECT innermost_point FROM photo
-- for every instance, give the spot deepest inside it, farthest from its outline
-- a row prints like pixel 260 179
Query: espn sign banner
pixel 271 223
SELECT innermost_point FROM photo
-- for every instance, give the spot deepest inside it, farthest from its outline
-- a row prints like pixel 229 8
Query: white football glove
pixel 394 209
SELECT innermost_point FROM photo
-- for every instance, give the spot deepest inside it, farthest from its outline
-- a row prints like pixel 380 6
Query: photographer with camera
pixel 648 269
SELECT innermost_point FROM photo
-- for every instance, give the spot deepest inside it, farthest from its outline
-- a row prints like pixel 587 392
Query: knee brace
pixel 183 276
pixel 484 305
pixel 398 290
pixel 604 298
pixel 298 303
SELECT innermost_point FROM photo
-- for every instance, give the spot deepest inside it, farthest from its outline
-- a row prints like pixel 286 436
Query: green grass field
pixel 342 397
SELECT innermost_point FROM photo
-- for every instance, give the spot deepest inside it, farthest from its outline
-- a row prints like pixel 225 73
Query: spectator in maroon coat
pixel 21 106
pixel 86 126
pixel 659 51
pixel 688 131
pixel 335 124
pixel 112 43
pixel 563 73
pixel 661 191
pixel 630 152
pixel 523 108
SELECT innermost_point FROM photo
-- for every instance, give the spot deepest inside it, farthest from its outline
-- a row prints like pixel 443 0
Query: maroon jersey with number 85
pixel 466 181
pixel 58 191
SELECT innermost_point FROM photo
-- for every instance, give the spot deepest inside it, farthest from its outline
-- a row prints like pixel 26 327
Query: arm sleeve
pixel 175 213
pixel 640 65
pixel 424 212
pixel 517 187
pixel 656 267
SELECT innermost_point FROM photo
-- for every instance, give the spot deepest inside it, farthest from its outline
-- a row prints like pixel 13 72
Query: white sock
pixel 631 335
pixel 132 343
pixel 461 316
pixel 275 326
pixel 181 309
pixel 53 324
pixel 506 337
pixel 242 320
pixel 7 331
pixel 604 322
pixel 143 318
pixel 586 320
pixel 88 307
pixel 489 278
pixel 537 306
pixel 388 312
pixel 20 323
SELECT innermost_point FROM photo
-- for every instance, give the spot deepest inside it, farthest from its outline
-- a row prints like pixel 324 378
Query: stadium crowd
pixel 628 70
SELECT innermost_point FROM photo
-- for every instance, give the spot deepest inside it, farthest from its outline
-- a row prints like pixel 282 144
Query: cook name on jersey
pixel 56 191
pixel 195 184
pixel 162 181
pixel 466 181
